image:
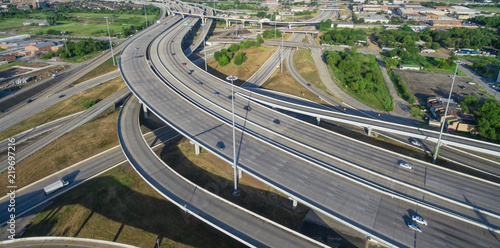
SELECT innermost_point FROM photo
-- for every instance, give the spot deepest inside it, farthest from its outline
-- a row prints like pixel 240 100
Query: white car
pixel 415 142
pixel 417 218
pixel 471 83
pixel 414 226
pixel 405 165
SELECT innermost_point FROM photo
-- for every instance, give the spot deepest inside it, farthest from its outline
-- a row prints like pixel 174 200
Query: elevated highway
pixel 202 131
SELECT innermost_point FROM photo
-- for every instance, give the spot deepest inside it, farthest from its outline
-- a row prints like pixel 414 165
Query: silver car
pixel 414 226
pixel 404 165
pixel 417 218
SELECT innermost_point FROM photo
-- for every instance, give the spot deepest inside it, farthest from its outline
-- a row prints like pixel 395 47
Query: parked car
pixel 417 218
pixel 471 83
pixel 414 226
pixel 404 165
pixel 461 87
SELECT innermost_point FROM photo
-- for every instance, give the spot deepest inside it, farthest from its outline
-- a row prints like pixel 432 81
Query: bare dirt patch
pixel 12 72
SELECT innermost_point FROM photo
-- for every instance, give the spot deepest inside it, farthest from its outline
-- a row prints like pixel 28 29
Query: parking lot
pixel 424 84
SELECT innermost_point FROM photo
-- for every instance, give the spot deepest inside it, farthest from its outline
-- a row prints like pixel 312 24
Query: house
pixel 376 19
pixel 7 58
pixel 36 22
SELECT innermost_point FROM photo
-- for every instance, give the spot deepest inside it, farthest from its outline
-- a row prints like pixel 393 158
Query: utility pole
pixel 457 62
pixel 204 47
pixel 145 16
pixel 64 40
pixel 110 44
pixel 281 60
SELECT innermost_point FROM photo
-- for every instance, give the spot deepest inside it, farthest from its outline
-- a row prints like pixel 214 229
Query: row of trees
pixel 454 38
pixel 224 56
pixel 269 34
pixel 407 57
pixel 490 22
pixel 347 36
pixel 486 113
pixel 402 88
pixel 81 48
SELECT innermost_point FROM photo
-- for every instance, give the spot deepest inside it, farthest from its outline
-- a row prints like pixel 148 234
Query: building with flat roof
pixel 376 19
pixel 343 24
pixel 445 23
pixel 39 22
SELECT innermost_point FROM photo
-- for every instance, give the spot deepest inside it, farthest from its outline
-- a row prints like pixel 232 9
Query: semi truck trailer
pixel 55 186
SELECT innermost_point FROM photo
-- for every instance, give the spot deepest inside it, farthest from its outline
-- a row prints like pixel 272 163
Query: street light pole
pixel 110 44
pixel 64 40
pixel 145 16
pixel 204 47
pixel 236 192
pixel 445 113
pixel 275 25
pixel 281 60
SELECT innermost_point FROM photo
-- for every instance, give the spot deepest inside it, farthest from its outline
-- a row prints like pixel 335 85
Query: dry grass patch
pixel 83 142
pixel 119 206
pixel 69 106
pixel 306 67
pixel 215 175
pixel 100 70
pixel 256 57
pixel 284 82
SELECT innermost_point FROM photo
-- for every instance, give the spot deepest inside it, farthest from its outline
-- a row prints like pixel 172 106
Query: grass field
pixel 488 8
pixel 98 210
pixel 100 70
pixel 83 142
pixel 284 82
pixel 85 29
pixel 69 106
pixel 10 64
pixel 256 56
pixel 304 64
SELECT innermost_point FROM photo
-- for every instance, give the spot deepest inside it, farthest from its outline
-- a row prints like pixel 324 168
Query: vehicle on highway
pixel 413 226
pixel 417 218
pixel 173 53
pixel 309 84
pixel 63 95
pixel 404 165
pixel 51 188
pixel 415 142
pixel 221 145
pixel 230 97
pixel 183 63
pixel 200 83
pixel 216 93
pixel 276 121
pixel 55 75
pixel 29 100
pixel 247 108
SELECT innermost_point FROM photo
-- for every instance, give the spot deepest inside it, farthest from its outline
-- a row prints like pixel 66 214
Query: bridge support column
pixel 197 148
pixel 240 174
pixel 227 23
pixel 145 110
pixel 243 24
pixel 369 131
pixel 289 26
pixel 294 202
pixel 182 16
pixel 318 120
pixel 261 26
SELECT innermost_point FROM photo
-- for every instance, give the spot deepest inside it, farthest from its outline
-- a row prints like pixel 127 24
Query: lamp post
pixel 204 47
pixel 457 62
pixel 64 40
pixel 110 44
pixel 236 192
pixel 281 59
pixel 145 16
pixel 275 25
pixel 236 21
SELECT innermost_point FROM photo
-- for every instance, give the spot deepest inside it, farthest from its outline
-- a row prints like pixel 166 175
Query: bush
pixel 223 61
pixel 48 55
pixel 240 58
pixel 415 111
pixel 269 34
pixel 88 104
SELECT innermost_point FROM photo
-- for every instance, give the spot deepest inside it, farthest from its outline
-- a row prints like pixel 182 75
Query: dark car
pixel 461 87
pixel 309 85
pixel 221 145
pixel 230 97
pixel 29 100
pixel 216 93
pixel 276 121
pixel 61 96
pixel 247 108
pixel 200 83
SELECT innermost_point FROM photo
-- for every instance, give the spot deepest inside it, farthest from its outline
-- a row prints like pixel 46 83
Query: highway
pixel 250 229
pixel 88 115
pixel 291 184
pixel 66 242
pixel 25 110
pixel 32 195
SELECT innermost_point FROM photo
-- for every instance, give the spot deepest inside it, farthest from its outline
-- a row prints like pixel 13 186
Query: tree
pixel 435 45
pixel 489 120
pixel 217 55
pixel 239 58
pixel 234 48
pixel 223 61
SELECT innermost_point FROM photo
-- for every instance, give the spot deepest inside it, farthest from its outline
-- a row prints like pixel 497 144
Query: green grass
pixel 488 8
pixel 488 60
pixel 304 64
pixel 450 70
pixel 10 64
pixel 100 70
pixel 78 29
pixel 12 23
pixel 78 59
